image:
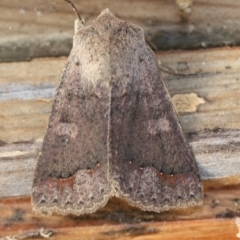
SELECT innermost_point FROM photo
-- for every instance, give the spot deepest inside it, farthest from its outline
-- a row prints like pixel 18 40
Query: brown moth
pixel 113 130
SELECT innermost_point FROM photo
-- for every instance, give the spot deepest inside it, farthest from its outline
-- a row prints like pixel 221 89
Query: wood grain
pixel 39 28
pixel 117 220
pixel 205 94
pixel 217 154
pixel 213 129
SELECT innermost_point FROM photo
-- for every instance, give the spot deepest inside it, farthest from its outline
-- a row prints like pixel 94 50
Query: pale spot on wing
pixel 69 129
pixel 156 126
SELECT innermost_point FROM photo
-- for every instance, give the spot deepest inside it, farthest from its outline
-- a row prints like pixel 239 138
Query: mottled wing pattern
pixel 113 130
pixel 72 170
pixel 151 163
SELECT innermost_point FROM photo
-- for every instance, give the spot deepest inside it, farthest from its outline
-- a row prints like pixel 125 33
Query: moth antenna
pixel 76 11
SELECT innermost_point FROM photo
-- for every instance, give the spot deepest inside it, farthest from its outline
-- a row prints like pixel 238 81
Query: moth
pixel 113 130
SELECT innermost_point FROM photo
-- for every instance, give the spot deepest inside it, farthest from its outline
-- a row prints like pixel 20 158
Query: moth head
pixel 79 24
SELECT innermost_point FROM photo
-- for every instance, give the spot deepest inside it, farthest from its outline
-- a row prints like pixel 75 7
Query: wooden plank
pixel 212 75
pixel 45 28
pixel 207 101
pixel 217 155
pixel 216 219
pixel 206 98
pixel 27 88
pixel 195 229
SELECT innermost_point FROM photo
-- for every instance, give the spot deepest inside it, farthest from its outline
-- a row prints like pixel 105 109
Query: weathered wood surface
pixel 217 155
pixel 209 229
pixel 218 218
pixel 27 88
pixel 207 100
pixel 31 29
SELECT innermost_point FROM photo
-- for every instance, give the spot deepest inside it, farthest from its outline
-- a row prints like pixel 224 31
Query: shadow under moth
pixel 113 130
